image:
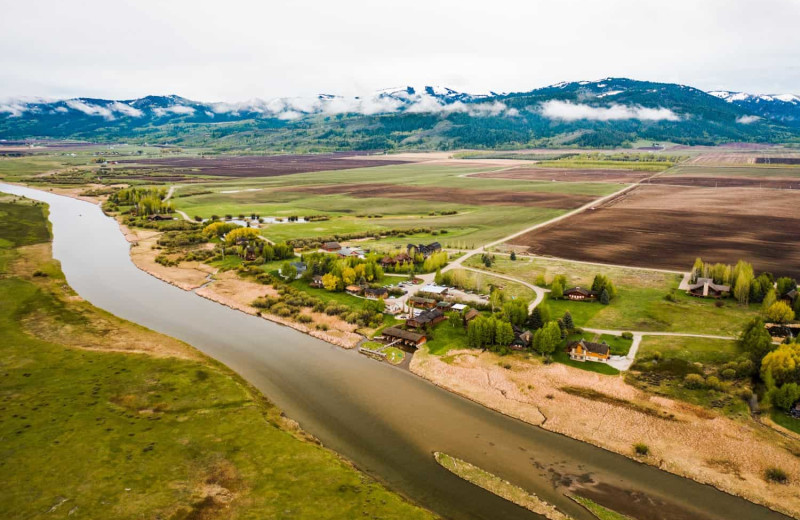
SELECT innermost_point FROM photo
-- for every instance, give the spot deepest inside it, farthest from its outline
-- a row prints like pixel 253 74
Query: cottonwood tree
pixel 780 312
pixel 546 339
pixel 755 340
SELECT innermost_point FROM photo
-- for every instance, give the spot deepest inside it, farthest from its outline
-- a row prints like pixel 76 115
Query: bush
pixel 641 449
pixel 776 475
pixel 304 318
pixel 671 297
pixel 719 303
pixel 627 335
pixel 694 382
pixel 714 383
pixel 728 373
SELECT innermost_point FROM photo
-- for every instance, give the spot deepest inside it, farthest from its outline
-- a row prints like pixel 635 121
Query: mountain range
pixel 603 113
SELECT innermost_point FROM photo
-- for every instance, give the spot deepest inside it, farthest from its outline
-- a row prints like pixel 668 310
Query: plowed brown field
pixel 669 226
pixel 454 195
pixel 566 175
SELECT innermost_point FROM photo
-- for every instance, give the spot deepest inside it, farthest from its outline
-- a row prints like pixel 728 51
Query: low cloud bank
pixel 567 111
pixel 746 120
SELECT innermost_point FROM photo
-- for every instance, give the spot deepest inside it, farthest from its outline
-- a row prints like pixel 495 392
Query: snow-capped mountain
pixel 779 107
pixel 606 112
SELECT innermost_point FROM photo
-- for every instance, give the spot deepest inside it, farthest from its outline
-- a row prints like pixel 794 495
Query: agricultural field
pixel 669 226
pixel 641 304
pixel 260 165
pixel 426 195
pixel 566 175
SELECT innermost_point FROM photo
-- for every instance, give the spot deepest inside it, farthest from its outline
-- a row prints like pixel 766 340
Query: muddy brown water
pixel 384 419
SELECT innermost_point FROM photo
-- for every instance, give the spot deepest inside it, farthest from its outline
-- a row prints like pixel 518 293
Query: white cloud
pixel 90 109
pixel 567 111
pixel 174 109
pixel 746 120
pixel 127 110
pixel 14 108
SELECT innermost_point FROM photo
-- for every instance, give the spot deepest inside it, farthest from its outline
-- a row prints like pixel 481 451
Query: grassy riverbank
pixel 102 418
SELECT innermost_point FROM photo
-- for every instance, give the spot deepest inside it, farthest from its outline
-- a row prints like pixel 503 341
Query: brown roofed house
pixel 470 315
pixel 331 246
pixel 579 294
pixel 706 288
pixel 427 318
pixel 421 303
pixel 405 337
pixel 588 351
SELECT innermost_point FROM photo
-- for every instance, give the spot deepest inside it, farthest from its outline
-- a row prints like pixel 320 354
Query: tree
pixel 515 312
pixel 453 318
pixel 780 312
pixel 546 339
pixel 568 322
pixel 240 233
pixel 535 320
pixel 742 280
pixel 760 287
pixel 496 299
pixel 755 340
pixel 557 291
pixel 504 334
pixel 437 278
pixel 331 282
pixel 348 275
pixel 697 269
pixel 785 284
pixel 513 256
pixel 769 299
pixel 781 366
pixel 605 299
pixel 602 283
pixel 288 271
pixel 785 396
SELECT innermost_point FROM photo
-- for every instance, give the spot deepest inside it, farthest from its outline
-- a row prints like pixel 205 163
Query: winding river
pixel 386 420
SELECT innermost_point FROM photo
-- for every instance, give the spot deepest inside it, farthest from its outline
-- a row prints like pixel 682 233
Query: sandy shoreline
pixel 703 446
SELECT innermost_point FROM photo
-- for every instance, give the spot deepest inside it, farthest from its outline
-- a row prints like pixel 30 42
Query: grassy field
pixel 602 513
pixel 447 337
pixel 641 304
pixel 663 362
pixel 160 433
pixel 790 423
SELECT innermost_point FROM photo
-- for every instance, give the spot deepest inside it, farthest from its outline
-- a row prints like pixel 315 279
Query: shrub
pixel 728 373
pixel 719 303
pixel 671 297
pixel 627 335
pixel 714 383
pixel 776 475
pixel 39 273
pixel 641 449
pixel 694 381
pixel 304 318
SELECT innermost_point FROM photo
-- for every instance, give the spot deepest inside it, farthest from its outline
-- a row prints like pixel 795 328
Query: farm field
pixel 750 171
pixel 435 196
pixel 566 175
pixel 260 165
pixel 669 226
pixel 641 304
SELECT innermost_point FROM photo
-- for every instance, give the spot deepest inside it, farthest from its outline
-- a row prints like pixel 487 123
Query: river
pixel 384 419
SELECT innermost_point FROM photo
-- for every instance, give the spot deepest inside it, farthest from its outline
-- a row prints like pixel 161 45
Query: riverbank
pixel 107 419
pixel 683 439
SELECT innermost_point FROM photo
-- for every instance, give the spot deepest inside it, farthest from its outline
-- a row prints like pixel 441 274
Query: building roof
pixel 395 332
pixel 353 288
pixel 580 290
pixel 472 313
pixel 458 307
pixel 428 316
pixel 433 289
pixel 707 284
pixel 595 348
pixel 331 245
pixel 792 294
pixel 420 299
pixel 300 266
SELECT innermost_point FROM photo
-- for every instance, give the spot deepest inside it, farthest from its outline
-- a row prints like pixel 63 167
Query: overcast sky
pixel 236 50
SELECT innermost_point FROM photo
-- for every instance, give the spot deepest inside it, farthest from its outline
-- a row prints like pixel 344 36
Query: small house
pixel 458 307
pixel 470 315
pixel 354 289
pixel 424 250
pixel 404 337
pixel 347 252
pixel 159 217
pixel 376 293
pixel 706 288
pixel 588 351
pixel 424 319
pixel 331 246
pixel 444 306
pixel 316 282
pixel 421 303
pixel 522 339
pixel 790 296
pixel 391 261
pixel 580 294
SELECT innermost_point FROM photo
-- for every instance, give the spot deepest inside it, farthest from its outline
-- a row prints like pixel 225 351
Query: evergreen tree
pixel 557 291
pixel 605 299
pixel 513 256
pixel 567 319
pixel 535 321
